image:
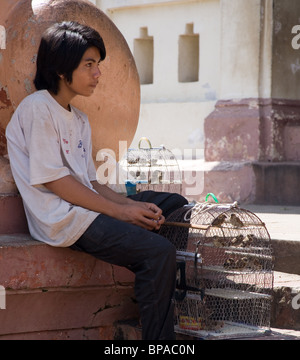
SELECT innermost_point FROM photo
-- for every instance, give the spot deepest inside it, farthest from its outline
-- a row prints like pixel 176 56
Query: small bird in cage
pixel 131 159
pixel 219 241
pixel 229 263
pixel 242 263
pixel 235 221
pixel 218 221
pixel 255 264
pixel 239 264
pixel 248 240
pixel 237 241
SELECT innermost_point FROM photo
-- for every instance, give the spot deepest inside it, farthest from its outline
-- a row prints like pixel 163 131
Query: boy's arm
pixel 110 194
pixel 146 215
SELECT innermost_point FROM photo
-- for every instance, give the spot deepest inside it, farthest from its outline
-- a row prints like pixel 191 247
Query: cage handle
pixel 146 139
pixel 213 196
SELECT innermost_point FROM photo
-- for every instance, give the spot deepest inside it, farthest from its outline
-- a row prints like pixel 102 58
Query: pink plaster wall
pixel 253 130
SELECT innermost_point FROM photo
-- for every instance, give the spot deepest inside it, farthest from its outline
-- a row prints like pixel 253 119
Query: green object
pixel 213 196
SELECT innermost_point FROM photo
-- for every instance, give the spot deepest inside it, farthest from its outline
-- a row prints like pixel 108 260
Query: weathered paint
pixel 255 130
pixel 4 99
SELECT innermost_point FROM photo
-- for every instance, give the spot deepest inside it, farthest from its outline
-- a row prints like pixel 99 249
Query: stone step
pixel 283 225
pixel 59 293
pixel 34 274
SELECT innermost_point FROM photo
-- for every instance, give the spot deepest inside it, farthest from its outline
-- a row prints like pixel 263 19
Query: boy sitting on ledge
pixel 50 151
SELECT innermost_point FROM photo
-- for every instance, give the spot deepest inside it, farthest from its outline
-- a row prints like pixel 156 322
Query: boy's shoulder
pixel 38 97
pixel 41 101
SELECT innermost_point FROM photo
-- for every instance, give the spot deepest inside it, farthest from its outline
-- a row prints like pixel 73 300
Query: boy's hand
pixel 147 215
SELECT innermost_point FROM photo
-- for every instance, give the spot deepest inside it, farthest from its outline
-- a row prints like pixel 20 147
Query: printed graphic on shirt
pixel 66 142
pixel 80 146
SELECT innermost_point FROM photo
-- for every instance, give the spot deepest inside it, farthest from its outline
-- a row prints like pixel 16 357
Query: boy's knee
pixel 175 202
pixel 180 200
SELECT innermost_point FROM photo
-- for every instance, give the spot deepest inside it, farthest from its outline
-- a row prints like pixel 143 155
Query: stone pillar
pixel 256 116
pixel 278 170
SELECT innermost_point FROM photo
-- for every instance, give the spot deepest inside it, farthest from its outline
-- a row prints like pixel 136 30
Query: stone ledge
pixel 286 254
pixel 27 264
pixel 13 219
pixel 277 183
pixel 51 291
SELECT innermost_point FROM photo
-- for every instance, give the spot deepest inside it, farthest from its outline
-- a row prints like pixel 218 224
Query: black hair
pixel 61 49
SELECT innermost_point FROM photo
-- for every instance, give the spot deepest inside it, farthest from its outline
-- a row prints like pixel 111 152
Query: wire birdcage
pixel 224 271
pixel 153 168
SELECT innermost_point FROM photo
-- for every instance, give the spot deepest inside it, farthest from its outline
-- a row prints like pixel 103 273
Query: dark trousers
pixel 150 256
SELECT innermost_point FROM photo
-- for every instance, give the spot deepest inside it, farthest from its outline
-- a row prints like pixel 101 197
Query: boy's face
pixel 85 76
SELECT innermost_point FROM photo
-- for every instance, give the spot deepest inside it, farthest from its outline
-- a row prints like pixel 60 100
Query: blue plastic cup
pixel 130 188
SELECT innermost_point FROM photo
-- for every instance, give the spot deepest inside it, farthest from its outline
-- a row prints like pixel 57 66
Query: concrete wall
pixel 246 40
pixel 173 112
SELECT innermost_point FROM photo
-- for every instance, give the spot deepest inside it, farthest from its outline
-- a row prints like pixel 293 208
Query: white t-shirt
pixel 45 143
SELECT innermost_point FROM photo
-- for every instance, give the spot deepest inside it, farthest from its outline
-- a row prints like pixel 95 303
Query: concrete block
pixel 59 293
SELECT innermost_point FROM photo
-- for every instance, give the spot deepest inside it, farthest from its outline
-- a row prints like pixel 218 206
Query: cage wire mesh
pixel 153 168
pixel 224 271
